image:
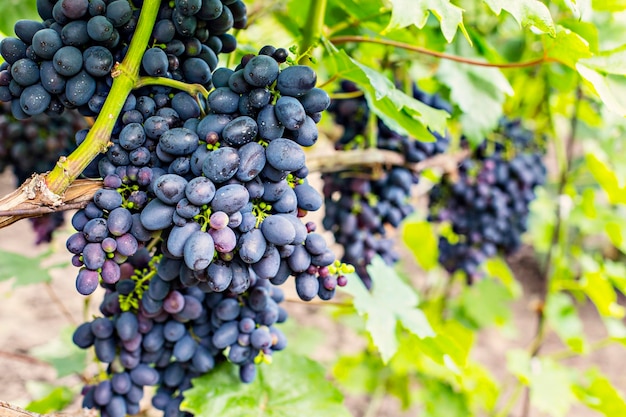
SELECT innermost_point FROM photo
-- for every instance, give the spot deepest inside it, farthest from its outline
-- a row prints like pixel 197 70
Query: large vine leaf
pixel 400 112
pixel 24 269
pixel 291 386
pixel 389 303
pixel 415 12
pixel 479 92
pixel 526 12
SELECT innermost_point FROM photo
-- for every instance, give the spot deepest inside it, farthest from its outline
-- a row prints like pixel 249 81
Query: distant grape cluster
pixel 360 205
pixel 198 220
pixel 35 145
pixel 66 60
pixel 487 206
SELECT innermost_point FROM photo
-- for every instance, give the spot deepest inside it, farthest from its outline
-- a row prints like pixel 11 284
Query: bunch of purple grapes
pixel 184 338
pixel 199 219
pixel 65 60
pixel 359 206
pixel 487 206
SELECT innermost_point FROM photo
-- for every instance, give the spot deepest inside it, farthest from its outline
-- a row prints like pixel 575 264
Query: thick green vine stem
pixel 126 75
pixel 312 30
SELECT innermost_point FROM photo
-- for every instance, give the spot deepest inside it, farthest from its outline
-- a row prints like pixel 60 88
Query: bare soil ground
pixel 30 317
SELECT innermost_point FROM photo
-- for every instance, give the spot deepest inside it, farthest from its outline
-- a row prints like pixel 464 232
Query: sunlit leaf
pixel 568 47
pixel 526 13
pixel 484 304
pixel 605 176
pixel 421 239
pixel 291 386
pixel 479 92
pixel 400 112
pixel 599 289
pixel 390 302
pixel 609 5
pixel 51 398
pixel 551 387
pixel 497 268
pixel 563 317
pixel 597 393
pixel 415 12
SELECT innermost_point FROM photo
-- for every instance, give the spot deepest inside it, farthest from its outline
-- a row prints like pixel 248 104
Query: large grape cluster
pixel 66 61
pixel 487 206
pixel 35 145
pixel 200 217
pixel 360 205
pixel 168 346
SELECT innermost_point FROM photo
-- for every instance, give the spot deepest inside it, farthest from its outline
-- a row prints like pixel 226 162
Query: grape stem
pixel 312 31
pixel 191 89
pixel 338 40
pixel 69 168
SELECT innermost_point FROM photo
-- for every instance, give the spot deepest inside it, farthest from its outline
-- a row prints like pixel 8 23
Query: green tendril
pixel 261 210
pixel 142 280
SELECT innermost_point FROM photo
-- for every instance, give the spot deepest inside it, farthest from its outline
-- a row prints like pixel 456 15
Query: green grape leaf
pixel 567 47
pixel 24 269
pixel 609 5
pixel 359 374
pixel 497 268
pixel 597 393
pixel 400 112
pixel 605 175
pixel 550 382
pixel 610 88
pixel 441 399
pixel 421 239
pixel 291 386
pixel 416 12
pixel 479 92
pixel 390 302
pixel 527 13
pixel 50 399
pixel 562 314
pixel 485 303
pixel 608 62
pixel 64 356
pixel 599 289
pixel 551 388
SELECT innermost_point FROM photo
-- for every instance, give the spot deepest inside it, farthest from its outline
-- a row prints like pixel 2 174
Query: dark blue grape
pixel 296 80
pixel 261 71
pixel 230 198
pixel 157 215
pixel 290 113
pixel 198 251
